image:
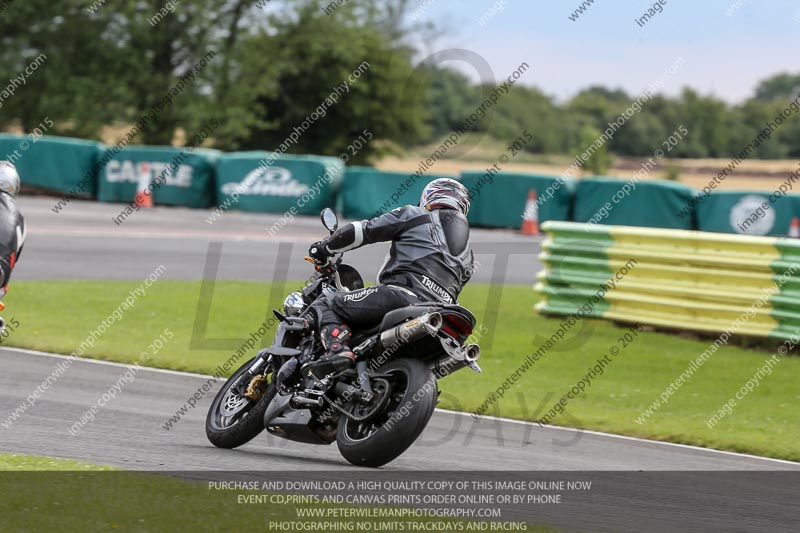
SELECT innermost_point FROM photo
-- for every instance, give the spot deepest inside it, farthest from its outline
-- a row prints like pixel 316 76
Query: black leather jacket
pixel 430 253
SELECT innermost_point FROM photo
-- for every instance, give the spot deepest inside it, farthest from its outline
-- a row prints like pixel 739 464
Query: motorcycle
pixel 373 411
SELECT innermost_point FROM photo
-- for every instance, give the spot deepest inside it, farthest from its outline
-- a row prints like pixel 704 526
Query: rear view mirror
pixel 329 219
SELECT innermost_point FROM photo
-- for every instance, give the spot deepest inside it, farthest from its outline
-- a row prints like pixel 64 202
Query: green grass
pixel 56 316
pixel 76 496
pixel 15 462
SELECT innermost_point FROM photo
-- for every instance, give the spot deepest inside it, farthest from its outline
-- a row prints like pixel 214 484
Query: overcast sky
pixel 724 55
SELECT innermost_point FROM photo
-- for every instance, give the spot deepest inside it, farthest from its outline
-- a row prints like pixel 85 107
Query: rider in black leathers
pixel 430 260
pixel 12 224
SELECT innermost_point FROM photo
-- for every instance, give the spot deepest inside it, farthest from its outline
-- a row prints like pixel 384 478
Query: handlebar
pixel 328 268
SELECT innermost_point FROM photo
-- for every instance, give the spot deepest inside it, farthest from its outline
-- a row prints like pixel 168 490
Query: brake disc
pixel 232 403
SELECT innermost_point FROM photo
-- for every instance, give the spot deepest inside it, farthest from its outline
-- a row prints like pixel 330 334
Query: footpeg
pixel 303 401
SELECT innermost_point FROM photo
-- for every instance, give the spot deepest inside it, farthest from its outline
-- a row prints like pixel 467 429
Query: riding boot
pixel 338 356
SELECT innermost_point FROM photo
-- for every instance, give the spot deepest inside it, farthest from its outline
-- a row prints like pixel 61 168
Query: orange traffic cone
pixel 794 229
pixel 142 198
pixel 530 218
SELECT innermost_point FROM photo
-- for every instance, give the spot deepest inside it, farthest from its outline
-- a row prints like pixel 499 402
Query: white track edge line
pixel 108 363
pixel 460 413
pixel 625 437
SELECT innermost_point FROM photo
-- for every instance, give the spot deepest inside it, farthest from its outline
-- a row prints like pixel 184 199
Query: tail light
pixel 456 325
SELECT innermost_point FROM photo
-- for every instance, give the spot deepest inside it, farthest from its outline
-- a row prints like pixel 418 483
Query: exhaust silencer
pixel 412 330
pixel 466 356
pixel 472 352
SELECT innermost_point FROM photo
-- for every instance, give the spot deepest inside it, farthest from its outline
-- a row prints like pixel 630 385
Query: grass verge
pixel 58 316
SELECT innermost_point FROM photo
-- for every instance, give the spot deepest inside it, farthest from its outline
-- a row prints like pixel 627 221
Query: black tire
pixel 246 424
pixel 398 428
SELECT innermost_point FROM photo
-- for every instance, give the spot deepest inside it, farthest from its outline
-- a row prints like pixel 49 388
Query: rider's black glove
pixel 319 253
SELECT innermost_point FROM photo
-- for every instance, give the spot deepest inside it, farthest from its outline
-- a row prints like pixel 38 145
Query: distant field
pixel 751 175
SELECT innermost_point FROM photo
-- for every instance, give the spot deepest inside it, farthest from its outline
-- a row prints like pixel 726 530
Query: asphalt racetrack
pixel 84 243
pixel 129 433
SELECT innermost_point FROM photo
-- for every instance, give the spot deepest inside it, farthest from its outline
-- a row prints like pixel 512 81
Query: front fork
pixel 276 355
pixel 248 381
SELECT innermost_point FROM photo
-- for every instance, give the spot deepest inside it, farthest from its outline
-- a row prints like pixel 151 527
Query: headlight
pixel 293 304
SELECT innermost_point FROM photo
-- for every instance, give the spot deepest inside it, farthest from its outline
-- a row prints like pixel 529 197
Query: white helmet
pixel 9 178
pixel 445 192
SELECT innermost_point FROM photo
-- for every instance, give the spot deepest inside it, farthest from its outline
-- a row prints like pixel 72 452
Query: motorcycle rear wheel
pixel 385 437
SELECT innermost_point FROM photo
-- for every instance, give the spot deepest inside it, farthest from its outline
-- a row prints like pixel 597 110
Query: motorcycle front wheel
pixel 234 420
pixel 387 435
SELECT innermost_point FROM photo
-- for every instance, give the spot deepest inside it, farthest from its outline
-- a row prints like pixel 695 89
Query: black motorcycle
pixel 374 411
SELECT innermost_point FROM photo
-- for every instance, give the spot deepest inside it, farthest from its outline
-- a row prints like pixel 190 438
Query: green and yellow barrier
pixel 672 278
